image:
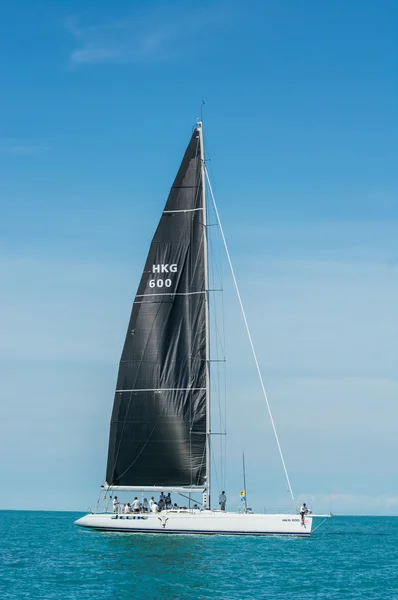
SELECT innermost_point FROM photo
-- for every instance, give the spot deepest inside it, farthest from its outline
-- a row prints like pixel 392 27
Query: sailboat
pixel 160 432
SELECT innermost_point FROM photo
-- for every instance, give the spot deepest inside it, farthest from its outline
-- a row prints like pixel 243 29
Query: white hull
pixel 199 522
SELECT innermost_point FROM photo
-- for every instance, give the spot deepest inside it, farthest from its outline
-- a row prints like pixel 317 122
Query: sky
pixel 300 118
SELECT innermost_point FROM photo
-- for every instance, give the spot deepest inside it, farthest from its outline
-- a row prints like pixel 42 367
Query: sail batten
pixel 158 423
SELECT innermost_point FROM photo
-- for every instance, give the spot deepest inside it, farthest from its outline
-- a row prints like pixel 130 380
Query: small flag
pixel 243 495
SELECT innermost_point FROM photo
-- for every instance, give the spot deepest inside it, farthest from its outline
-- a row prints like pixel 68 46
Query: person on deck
pixel 115 504
pixel 151 502
pixel 154 508
pixel 303 511
pixel 222 500
pixel 145 505
pixel 168 500
pixel 127 508
pixel 136 505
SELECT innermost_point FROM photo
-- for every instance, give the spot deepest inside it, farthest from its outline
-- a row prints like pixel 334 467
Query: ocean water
pixel 44 556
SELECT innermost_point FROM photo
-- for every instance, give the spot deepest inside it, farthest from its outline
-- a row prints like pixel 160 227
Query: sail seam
pixel 163 390
pixel 182 210
pixel 172 294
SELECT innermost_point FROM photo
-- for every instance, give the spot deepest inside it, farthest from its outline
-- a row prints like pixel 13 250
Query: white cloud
pixel 145 38
pixel 128 40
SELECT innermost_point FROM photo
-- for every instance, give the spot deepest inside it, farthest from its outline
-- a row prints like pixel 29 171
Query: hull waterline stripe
pixel 194 532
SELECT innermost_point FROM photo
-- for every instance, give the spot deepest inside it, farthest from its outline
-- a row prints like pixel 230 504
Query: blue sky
pixel 301 118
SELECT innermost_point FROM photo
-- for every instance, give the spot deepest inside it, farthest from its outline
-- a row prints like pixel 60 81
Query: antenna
pixel 244 482
pixel 201 110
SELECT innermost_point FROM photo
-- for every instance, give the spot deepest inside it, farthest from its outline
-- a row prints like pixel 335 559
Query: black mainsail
pixel 158 423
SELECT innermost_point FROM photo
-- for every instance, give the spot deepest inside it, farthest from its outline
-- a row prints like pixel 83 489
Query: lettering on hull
pixel 130 517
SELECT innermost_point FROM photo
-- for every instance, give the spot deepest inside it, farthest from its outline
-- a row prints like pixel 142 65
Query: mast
pixel 206 267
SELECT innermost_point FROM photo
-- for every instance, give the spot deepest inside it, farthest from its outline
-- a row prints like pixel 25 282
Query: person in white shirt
pixel 303 511
pixel 151 501
pixel 115 504
pixel 154 507
pixel 222 500
pixel 127 507
pixel 136 505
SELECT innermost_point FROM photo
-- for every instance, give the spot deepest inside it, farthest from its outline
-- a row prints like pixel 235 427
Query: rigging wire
pixel 218 301
pixel 318 526
pixel 219 347
pixel 218 376
pixel 219 308
pixel 250 340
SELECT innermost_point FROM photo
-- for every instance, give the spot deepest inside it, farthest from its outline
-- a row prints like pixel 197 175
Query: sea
pixel 43 555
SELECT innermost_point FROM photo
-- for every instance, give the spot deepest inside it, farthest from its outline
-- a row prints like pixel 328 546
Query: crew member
pixel 136 505
pixel 222 500
pixel 303 511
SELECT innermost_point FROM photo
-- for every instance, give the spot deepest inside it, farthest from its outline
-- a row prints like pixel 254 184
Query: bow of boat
pixel 86 521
